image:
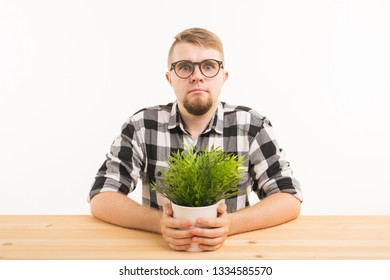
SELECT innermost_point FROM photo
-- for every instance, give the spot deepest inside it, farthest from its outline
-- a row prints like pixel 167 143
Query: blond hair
pixel 197 36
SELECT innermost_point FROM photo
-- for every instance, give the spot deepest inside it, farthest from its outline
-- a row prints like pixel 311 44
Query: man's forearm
pixel 273 210
pixel 118 209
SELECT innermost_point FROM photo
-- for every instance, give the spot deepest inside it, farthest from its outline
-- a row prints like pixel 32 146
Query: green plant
pixel 200 178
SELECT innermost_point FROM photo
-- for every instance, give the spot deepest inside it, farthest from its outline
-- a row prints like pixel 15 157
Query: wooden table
pixel 83 237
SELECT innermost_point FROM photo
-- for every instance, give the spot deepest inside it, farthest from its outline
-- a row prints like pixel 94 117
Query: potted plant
pixel 197 180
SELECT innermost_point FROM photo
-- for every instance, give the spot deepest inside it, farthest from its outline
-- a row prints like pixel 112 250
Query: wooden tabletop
pixel 83 237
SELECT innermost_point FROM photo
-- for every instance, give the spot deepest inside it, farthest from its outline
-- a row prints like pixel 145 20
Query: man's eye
pixel 209 65
pixel 184 67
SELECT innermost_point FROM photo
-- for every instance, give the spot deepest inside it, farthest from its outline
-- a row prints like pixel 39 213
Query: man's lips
pixel 197 90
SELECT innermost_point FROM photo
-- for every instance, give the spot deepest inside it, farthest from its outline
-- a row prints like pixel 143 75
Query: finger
pixel 222 208
pixel 209 232
pixel 178 241
pixel 209 248
pixel 167 209
pixel 172 223
pixel 209 243
pixel 179 247
pixel 212 223
pixel 177 233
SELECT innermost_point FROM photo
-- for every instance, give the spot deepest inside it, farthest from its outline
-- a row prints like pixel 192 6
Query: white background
pixel 71 72
pixel 109 269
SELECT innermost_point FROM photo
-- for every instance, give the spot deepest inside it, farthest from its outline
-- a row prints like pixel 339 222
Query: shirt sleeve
pixel 123 165
pixel 269 168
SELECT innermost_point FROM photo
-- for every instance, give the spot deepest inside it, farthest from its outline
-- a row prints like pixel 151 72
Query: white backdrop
pixel 71 72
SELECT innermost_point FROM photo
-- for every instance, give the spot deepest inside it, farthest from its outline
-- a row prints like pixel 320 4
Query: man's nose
pixel 197 74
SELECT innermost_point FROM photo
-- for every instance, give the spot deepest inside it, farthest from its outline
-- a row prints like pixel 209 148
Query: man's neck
pixel 195 125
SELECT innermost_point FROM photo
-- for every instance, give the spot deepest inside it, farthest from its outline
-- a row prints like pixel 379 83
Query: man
pixel 196 73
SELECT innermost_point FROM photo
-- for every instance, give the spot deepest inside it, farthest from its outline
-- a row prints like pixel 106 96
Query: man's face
pixel 196 94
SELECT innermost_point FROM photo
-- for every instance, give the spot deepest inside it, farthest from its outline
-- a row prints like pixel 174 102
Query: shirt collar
pixel 216 122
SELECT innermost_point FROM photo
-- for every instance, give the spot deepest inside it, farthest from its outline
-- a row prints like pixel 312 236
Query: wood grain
pixel 83 237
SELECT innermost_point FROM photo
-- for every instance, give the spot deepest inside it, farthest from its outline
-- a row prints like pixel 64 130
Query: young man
pixel 196 73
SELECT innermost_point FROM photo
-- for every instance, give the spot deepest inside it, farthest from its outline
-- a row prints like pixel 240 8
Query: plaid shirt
pixel 152 134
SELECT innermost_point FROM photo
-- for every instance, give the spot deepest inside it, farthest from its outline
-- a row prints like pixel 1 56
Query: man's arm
pixel 118 209
pixel 273 210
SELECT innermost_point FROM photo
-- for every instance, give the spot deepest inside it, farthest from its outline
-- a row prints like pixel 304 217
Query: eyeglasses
pixel 185 68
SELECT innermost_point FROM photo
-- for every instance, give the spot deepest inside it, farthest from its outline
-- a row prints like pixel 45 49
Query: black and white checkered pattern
pixel 152 134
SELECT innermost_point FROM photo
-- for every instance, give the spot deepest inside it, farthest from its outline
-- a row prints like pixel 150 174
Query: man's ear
pixel 225 75
pixel 168 77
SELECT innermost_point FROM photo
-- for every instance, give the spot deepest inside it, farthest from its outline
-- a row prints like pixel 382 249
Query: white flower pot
pixel 193 213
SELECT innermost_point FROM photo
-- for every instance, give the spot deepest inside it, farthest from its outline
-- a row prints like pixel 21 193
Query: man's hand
pixel 179 234
pixel 212 233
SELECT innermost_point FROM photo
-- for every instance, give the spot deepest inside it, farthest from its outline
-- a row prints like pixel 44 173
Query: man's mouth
pixel 197 90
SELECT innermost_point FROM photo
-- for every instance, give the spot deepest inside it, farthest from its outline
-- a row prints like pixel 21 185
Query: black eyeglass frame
pixel 220 65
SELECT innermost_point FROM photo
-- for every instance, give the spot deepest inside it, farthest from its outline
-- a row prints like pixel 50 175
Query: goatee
pixel 197 107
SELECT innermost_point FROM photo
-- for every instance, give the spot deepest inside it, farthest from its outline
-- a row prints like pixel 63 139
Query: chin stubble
pixel 197 107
